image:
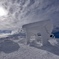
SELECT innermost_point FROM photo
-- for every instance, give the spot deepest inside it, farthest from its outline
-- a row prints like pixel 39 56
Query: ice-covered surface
pixel 15 50
pixel 26 52
pixel 43 27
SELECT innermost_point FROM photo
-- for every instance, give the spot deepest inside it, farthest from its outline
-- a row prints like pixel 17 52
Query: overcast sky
pixel 26 11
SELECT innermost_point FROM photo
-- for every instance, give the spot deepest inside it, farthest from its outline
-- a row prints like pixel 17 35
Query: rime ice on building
pixel 41 30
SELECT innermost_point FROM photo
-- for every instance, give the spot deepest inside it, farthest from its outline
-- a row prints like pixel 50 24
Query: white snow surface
pixel 27 52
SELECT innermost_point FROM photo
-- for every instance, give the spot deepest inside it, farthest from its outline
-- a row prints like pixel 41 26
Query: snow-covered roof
pixel 35 23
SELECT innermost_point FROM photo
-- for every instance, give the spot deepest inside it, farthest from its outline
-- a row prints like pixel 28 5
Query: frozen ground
pixel 14 50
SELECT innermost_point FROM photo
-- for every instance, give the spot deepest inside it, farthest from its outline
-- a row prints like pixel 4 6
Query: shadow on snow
pixel 8 46
pixel 48 47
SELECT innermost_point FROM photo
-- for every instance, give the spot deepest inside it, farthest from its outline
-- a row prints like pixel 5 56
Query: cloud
pixel 27 11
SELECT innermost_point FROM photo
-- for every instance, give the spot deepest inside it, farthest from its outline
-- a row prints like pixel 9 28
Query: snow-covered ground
pixel 26 52
pixel 16 50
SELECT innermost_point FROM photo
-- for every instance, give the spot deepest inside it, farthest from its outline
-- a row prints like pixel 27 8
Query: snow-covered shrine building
pixel 40 30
